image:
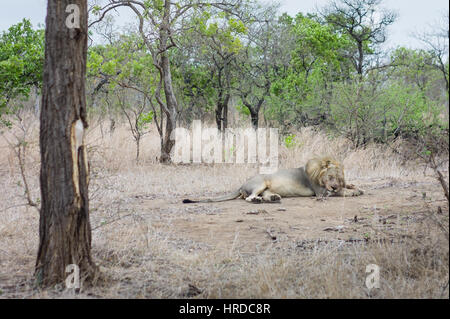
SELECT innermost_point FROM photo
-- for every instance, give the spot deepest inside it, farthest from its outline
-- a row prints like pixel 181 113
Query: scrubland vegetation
pixel 323 79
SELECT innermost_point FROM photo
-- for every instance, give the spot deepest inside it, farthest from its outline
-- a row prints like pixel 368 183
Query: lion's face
pixel 333 179
pixel 326 172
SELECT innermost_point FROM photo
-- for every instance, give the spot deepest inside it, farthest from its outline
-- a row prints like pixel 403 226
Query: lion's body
pixel 285 182
pixel 319 177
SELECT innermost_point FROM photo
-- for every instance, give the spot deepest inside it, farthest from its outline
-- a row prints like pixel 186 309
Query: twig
pixel 25 182
pixel 13 206
pixel 111 221
pixel 18 151
pixel 272 236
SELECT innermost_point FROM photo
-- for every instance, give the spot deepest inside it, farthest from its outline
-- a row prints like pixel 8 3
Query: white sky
pixel 414 15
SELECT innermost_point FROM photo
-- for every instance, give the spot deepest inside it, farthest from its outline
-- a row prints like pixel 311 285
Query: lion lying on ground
pixel 320 177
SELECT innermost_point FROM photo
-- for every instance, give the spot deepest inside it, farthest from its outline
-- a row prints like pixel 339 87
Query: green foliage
pixel 363 112
pixel 144 119
pixel 222 29
pixel 242 109
pixel 94 62
pixel 318 87
pixel 301 71
pixel 289 141
pixel 354 112
pixel 21 62
pixel 195 86
pixel 317 44
pixel 121 79
pixel 411 113
pixel 201 67
pixel 96 10
pixel 123 62
pixel 299 93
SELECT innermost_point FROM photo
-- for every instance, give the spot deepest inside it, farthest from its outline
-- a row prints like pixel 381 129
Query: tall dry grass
pixel 142 256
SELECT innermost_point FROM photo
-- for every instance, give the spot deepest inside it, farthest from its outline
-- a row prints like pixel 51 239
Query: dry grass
pixel 142 255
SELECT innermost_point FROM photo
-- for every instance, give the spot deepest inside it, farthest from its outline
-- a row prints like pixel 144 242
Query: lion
pixel 320 177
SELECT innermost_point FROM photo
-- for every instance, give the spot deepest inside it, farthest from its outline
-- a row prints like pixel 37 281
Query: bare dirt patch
pixel 387 207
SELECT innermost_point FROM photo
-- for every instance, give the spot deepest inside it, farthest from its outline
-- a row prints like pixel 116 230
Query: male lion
pixel 320 177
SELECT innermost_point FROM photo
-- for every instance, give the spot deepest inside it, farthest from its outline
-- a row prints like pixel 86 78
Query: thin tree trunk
pixel 168 143
pixel 359 67
pixel 222 112
pixel 171 101
pixel 64 227
pixel 254 118
pixel 219 116
pixel 225 113
pixel 440 176
pixel 138 142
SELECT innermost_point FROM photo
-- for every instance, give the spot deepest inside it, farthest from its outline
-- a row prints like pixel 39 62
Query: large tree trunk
pixel 64 227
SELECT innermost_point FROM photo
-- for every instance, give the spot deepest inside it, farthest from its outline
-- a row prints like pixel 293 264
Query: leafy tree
pixel 259 60
pixel 415 87
pixel 364 22
pixel 124 72
pixel 161 24
pixel 417 68
pixel 208 52
pixel 21 62
pixel 387 105
pixel 194 85
pixel 437 42
pixel 301 93
pixel 354 113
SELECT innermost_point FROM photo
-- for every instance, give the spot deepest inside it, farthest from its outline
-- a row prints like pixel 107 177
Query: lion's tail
pixel 230 196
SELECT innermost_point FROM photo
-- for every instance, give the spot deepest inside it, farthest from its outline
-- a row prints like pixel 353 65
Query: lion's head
pixel 327 173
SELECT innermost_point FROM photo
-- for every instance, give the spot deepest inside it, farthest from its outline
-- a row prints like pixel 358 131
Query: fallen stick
pixel 272 236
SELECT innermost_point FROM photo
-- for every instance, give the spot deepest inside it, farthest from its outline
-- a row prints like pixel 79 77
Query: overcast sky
pixel 414 15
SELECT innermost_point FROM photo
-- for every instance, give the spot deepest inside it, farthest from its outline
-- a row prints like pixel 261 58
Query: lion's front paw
pixel 275 198
pixel 355 192
pixel 255 199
